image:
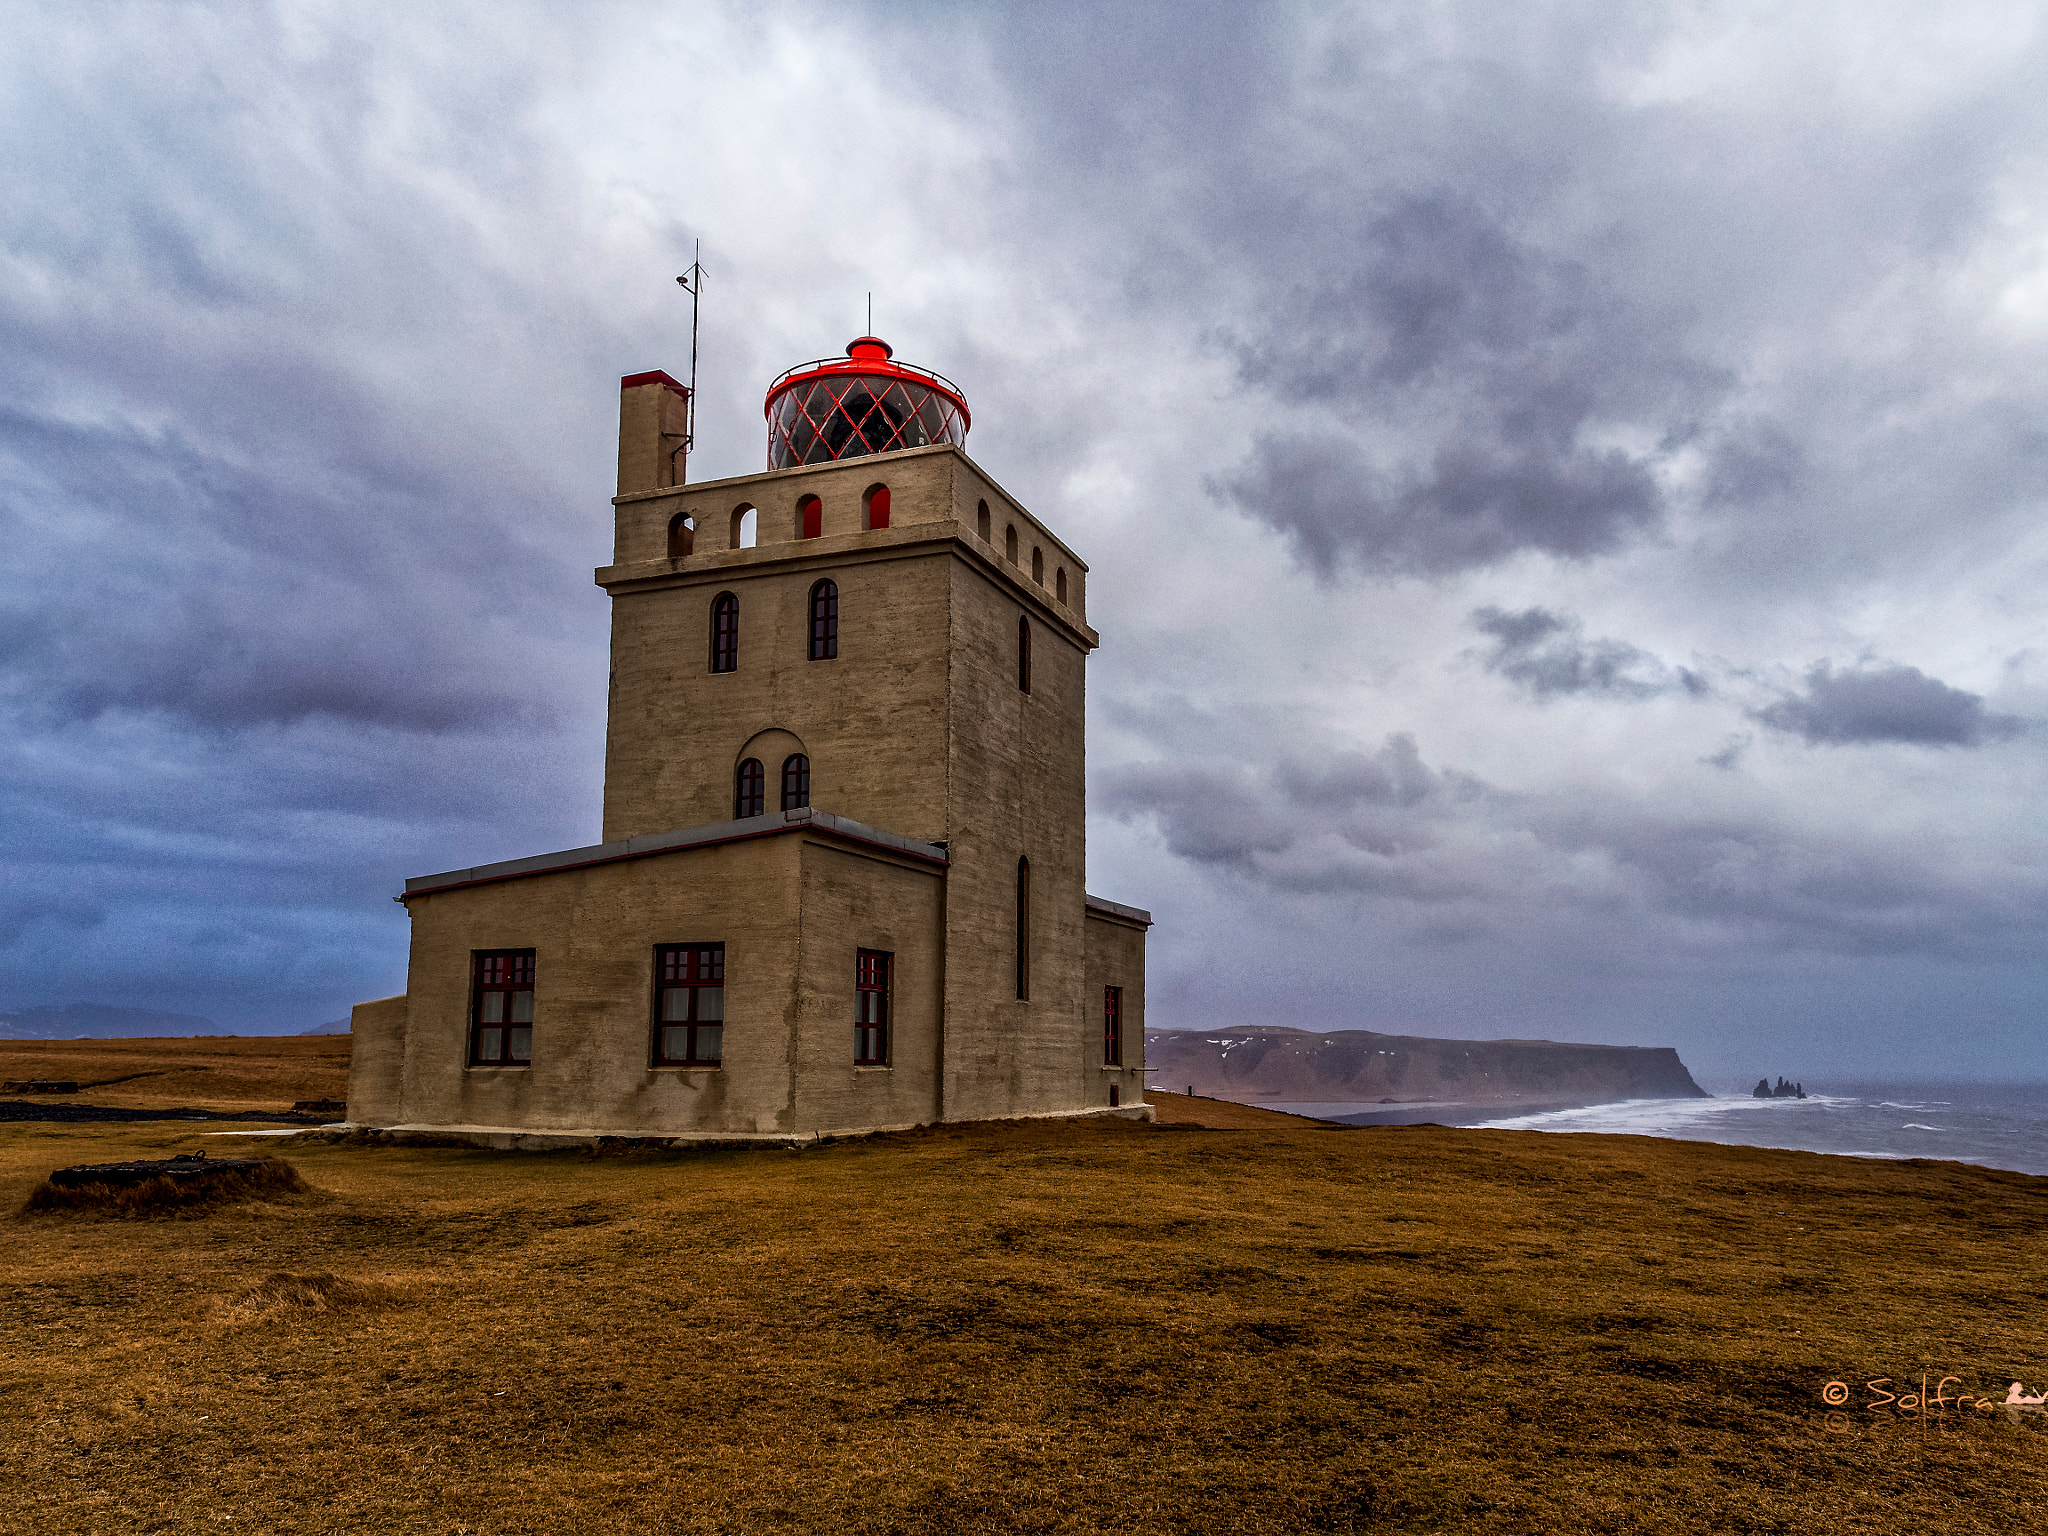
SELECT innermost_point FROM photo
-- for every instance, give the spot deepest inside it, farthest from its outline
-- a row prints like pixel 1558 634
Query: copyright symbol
pixel 1835 1393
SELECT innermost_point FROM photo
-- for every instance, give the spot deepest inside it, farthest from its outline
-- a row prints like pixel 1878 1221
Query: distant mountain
pixel 1359 1067
pixel 338 1027
pixel 97 1021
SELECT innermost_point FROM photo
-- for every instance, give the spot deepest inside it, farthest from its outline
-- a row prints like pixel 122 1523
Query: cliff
pixel 1358 1068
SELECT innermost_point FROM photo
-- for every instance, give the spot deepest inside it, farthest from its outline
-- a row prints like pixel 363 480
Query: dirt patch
pixel 179 1190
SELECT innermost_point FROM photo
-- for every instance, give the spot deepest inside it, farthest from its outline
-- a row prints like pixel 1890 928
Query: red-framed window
pixel 1112 1027
pixel 725 633
pixel 870 1009
pixel 825 621
pixel 878 507
pixel 501 1030
pixel 689 1005
pixel 749 790
pixel 810 517
pixel 796 781
pixel 1024 654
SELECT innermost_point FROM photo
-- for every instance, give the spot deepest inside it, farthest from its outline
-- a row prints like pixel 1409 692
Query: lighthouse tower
pixel 840 885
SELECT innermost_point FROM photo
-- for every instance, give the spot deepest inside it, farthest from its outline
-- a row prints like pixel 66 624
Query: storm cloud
pixel 1885 704
pixel 1475 421
pixel 1548 654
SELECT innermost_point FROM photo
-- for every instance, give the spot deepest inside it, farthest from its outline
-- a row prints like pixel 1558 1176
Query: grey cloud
pixel 1548 654
pixel 1885 704
pixel 1439 852
pixel 1466 388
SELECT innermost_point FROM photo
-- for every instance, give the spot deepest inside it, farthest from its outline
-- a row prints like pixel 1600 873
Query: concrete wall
pixel 376 1062
pixel 594 932
pixel 1116 958
pixel 1016 770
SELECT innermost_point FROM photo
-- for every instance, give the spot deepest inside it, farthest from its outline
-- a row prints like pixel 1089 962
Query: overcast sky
pixel 1564 483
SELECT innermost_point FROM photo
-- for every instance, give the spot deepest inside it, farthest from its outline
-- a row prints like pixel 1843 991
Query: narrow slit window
pixel 1059 583
pixel 1023 930
pixel 810 518
pixel 749 790
pixel 725 633
pixel 501 1034
pixel 689 1005
pixel 796 781
pixel 878 507
pixel 1010 544
pixel 870 1009
pixel 981 520
pixel 825 621
pixel 1024 654
pixel 682 535
pixel 1112 1026
pixel 1038 566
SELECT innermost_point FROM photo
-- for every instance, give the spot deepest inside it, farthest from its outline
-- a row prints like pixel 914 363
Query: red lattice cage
pixel 844 407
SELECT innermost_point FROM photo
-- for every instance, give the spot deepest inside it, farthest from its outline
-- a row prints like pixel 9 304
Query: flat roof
pixel 1117 909
pixel 807 818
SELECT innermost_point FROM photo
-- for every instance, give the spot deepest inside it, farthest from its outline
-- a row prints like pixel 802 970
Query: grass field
pixel 1269 1327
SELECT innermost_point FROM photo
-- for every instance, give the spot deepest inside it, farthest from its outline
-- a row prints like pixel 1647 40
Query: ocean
pixel 1998 1125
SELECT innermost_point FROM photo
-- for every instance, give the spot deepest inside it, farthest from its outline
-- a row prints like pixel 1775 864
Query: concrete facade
pixel 933 771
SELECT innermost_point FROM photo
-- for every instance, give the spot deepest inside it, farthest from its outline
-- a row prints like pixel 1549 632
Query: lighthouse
pixel 839 884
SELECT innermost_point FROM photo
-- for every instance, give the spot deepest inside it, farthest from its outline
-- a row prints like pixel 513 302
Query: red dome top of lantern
pixel 864 402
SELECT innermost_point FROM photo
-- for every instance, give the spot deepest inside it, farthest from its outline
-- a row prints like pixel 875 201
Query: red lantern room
pixel 844 407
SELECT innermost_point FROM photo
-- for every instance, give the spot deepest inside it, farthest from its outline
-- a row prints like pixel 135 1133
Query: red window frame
pixel 870 1008
pixel 749 790
pixel 810 516
pixel 825 621
pixel 796 781
pixel 1112 1026
pixel 689 1005
pixel 501 1014
pixel 725 633
pixel 878 507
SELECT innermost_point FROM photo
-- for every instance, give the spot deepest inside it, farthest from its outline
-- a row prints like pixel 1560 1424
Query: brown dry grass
pixel 272 1178
pixel 1042 1328
pixel 220 1072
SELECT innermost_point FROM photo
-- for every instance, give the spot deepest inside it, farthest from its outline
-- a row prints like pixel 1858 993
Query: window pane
pixel 522 1044
pixel 493 1008
pixel 711 1002
pixel 675 1042
pixel 522 1007
pixel 490 1044
pixel 675 1004
pixel 710 1042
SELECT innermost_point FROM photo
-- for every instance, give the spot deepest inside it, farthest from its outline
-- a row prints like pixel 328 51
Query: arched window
pixel 682 534
pixel 1038 565
pixel 796 781
pixel 749 787
pixel 1010 544
pixel 1024 654
pixel 725 633
pixel 876 503
pixel 744 527
pixel 824 621
pixel 1023 930
pixel 810 518
pixel 1059 583
pixel 981 520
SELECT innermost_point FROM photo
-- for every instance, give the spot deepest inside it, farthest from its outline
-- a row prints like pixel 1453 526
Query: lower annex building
pixel 841 881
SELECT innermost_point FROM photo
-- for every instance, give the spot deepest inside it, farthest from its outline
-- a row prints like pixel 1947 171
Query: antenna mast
pixel 692 283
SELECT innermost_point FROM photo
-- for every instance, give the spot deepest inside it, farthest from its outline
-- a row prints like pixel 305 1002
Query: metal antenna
pixel 871 314
pixel 692 283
